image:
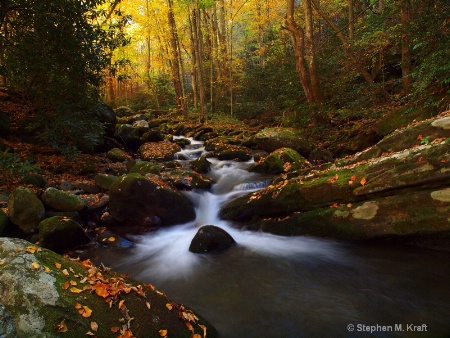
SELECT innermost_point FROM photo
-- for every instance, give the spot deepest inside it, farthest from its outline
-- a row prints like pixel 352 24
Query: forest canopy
pixel 244 58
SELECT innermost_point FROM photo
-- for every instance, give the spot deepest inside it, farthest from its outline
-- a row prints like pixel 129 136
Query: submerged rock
pixel 211 238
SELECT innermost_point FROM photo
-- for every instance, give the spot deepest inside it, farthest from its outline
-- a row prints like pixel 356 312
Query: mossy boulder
pixel 145 167
pixel 36 300
pixel 60 234
pixel 271 139
pixel 62 201
pixel 128 135
pixel 232 152
pixel 424 167
pixel 217 142
pixel 118 155
pixel 35 180
pixel 182 142
pixel 201 165
pixel 25 209
pixel 158 151
pixel 124 111
pixel 211 238
pixel 279 161
pixel 135 199
pixel 187 180
pixel 153 135
pixel 104 181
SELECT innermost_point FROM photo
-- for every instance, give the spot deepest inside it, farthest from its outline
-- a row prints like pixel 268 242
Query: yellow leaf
pixel 35 266
pixel 94 326
pixel 58 265
pixel 73 283
pixel 111 239
pixel 121 303
pixel 75 290
pixel 47 269
pixel 169 306
pixel 32 249
pixel 85 311
pixel 77 305
pixel 163 333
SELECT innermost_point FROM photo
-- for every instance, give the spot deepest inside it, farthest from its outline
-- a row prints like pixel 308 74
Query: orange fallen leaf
pixel 169 306
pixel 419 138
pixel 61 327
pixel 32 249
pixel 163 333
pixel 35 266
pixel 58 265
pixel 73 283
pixel 195 335
pixel 189 326
pixel 65 286
pixel 111 239
pixel 363 181
pixel 121 303
pixel 115 329
pixel 353 178
pixel 203 327
pixel 85 311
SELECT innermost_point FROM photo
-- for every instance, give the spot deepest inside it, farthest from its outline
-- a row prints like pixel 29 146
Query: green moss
pixel 145 167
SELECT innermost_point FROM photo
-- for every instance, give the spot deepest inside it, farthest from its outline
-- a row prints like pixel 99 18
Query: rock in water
pixel 211 238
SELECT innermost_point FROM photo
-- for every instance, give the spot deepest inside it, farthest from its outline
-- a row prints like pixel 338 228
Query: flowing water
pixel 272 286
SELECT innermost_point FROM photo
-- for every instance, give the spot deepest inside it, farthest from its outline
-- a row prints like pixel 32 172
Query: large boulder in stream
pixel 279 161
pixel 135 199
pixel 271 139
pixel 47 295
pixel 405 193
pixel 62 201
pixel 211 238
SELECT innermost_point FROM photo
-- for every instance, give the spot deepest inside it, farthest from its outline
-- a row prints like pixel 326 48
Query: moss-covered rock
pixel 104 181
pixel 62 201
pixel 60 234
pixel 201 165
pixel 158 151
pixel 153 135
pixel 124 111
pixel 271 139
pixel 48 295
pixel 186 179
pixel 145 167
pixel 25 209
pixel 35 180
pixel 118 155
pixel 211 238
pixel 128 135
pixel 134 199
pixel 231 152
pixel 279 161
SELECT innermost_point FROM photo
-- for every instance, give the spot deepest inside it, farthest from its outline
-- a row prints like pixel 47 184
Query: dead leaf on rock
pixel 35 266
pixel 75 290
pixel 65 286
pixel 57 265
pixel 61 327
pixel 94 326
pixel 163 333
pixel 115 329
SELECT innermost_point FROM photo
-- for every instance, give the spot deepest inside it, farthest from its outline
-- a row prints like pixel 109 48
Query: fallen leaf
pixel 73 283
pixel 363 181
pixel 61 327
pixel 89 333
pixel 47 269
pixel 189 326
pixel 195 335
pixel 111 239
pixel 32 249
pixel 169 306
pixel 85 311
pixel 35 266
pixel 163 333
pixel 148 305
pixel 65 273
pixel 65 286
pixel 75 290
pixel 58 265
pixel 353 178
pixel 121 303
pixel 2 262
pixel 419 138
pixel 77 305
pixel 115 329
pixel 94 326
pixel 203 327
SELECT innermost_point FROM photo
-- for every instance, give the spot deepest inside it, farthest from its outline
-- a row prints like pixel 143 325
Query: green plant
pixel 13 167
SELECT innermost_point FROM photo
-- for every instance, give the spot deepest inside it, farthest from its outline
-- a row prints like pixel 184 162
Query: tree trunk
pixel 175 64
pixel 311 52
pixel 351 20
pixel 298 41
pixel 405 11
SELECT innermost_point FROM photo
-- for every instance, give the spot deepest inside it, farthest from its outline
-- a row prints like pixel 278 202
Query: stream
pixel 272 286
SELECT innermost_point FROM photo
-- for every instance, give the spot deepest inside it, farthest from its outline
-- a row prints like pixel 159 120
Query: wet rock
pixel 25 209
pixel 62 201
pixel 211 238
pixel 201 165
pixel 185 179
pixel 134 198
pixel 33 295
pixel 87 187
pixel 158 151
pixel 7 328
pixel 141 126
pixel 231 152
pixel 60 234
pixel 152 136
